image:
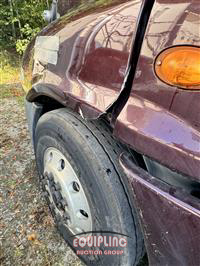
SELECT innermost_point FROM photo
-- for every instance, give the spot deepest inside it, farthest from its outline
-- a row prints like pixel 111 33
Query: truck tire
pixel 81 178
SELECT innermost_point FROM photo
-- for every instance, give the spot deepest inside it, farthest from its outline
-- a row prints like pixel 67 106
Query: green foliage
pixel 28 33
pixel 9 67
pixel 20 20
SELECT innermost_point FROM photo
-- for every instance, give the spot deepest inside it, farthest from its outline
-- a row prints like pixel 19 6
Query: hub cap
pixel 65 194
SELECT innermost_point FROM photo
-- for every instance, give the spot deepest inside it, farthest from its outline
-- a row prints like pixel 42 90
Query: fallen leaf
pixel 32 237
pixel 17 211
pixel 2 225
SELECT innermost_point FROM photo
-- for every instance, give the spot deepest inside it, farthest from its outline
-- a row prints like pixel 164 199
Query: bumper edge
pixel 170 218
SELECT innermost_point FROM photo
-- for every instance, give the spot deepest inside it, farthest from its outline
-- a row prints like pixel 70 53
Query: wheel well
pixel 49 104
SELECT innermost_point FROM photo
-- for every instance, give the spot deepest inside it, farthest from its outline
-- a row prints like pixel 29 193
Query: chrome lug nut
pixel 53 190
pixel 57 186
pixel 58 217
pixel 45 175
pixel 66 216
pixel 51 177
pixel 44 182
pixel 64 203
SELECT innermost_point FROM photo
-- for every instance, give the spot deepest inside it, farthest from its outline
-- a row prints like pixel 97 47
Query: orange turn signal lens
pixel 179 66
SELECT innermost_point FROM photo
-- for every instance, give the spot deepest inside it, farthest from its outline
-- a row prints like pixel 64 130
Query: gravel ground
pixel 27 232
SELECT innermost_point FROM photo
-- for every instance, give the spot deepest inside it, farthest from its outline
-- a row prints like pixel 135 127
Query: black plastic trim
pixel 143 20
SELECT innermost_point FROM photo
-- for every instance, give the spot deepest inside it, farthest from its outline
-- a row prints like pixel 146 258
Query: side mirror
pixel 52 14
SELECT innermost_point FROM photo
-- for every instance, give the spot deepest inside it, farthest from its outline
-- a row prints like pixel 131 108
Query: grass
pixel 20 100
pixel 9 67
pixel 10 76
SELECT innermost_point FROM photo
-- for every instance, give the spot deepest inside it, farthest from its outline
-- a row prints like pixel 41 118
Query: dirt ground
pixel 27 232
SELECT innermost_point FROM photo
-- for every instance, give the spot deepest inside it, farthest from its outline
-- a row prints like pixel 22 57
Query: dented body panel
pixel 170 218
pixel 90 64
pixel 84 64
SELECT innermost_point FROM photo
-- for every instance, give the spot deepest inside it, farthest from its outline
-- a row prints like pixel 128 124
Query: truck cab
pixel 112 103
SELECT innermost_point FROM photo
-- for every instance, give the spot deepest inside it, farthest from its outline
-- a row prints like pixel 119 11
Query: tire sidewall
pixel 105 207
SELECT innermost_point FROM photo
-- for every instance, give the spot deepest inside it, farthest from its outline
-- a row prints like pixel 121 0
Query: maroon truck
pixel 113 106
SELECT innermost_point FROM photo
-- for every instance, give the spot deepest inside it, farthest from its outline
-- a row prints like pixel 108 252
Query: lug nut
pixel 51 177
pixel 51 206
pixel 57 186
pixel 56 198
pixel 45 175
pixel 58 217
pixel 52 188
pixel 44 182
pixel 59 205
pixel 66 216
pixel 58 195
pixel 64 203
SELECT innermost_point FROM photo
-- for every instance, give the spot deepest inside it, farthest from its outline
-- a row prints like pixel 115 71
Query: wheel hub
pixel 64 193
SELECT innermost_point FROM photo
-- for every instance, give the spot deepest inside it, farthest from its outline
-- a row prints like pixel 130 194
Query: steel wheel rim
pixel 66 196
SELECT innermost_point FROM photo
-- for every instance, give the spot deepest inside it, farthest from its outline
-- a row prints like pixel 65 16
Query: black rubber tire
pixel 94 154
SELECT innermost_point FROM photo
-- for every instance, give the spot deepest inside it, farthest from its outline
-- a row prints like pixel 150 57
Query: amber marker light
pixel 179 66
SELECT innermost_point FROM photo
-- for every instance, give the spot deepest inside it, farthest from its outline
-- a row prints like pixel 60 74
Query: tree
pixel 19 22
